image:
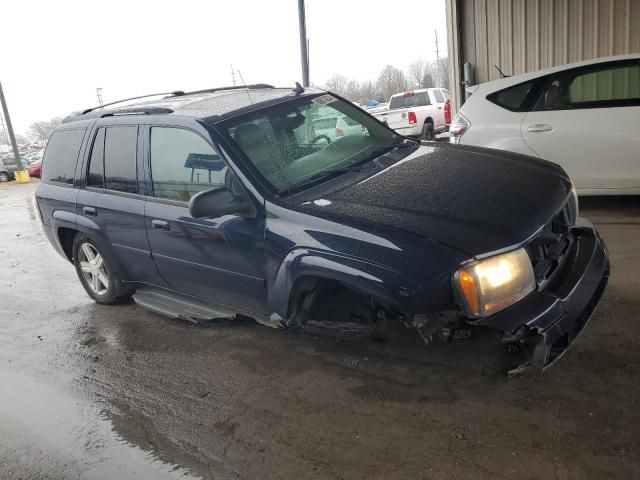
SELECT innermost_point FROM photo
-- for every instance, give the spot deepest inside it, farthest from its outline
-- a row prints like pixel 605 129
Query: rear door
pixel 110 205
pixel 588 121
pixel 218 259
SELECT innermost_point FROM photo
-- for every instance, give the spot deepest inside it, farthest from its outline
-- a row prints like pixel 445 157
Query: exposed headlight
pixel 494 283
pixel 574 194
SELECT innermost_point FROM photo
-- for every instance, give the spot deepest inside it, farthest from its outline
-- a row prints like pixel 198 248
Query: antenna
pixel 99 95
pixel 245 86
pixel 233 75
pixel 502 75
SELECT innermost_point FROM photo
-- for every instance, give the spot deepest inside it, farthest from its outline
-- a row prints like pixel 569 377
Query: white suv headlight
pixel 489 285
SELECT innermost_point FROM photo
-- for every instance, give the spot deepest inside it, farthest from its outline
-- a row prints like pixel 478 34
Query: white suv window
pixel 613 86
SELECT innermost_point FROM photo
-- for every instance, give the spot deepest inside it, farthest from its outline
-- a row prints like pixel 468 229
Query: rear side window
pixel 409 99
pixel 183 164
pixel 61 155
pixel 120 146
pixel 96 163
pixel 610 86
pixel 512 98
pixel 439 96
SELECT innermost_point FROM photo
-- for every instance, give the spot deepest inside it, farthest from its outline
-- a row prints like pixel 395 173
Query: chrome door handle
pixel 539 127
pixel 89 211
pixel 160 225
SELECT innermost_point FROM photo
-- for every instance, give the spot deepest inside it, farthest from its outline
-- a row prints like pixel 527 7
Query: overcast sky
pixel 56 52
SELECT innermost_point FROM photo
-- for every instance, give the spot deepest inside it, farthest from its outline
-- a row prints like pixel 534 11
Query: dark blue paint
pixel 397 232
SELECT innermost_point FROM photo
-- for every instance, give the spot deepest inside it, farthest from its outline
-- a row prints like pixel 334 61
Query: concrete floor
pixel 95 392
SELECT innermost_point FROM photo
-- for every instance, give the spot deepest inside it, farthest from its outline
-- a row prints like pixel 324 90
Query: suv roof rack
pixel 136 111
pixel 176 93
pixel 234 87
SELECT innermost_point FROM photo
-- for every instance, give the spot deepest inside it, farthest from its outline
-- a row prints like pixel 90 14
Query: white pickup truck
pixel 417 113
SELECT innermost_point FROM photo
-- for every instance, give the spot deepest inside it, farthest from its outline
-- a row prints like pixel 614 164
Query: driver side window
pixel 183 164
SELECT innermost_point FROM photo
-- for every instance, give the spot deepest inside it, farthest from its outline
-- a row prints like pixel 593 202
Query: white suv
pixel 584 117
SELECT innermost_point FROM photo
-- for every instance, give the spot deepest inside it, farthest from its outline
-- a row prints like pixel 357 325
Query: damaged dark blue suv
pixel 295 206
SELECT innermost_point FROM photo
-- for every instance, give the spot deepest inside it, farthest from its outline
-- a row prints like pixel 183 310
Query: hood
pixel 473 199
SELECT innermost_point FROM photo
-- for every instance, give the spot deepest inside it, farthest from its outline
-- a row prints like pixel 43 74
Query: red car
pixel 35 168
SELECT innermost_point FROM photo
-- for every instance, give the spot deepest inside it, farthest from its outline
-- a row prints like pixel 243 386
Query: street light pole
pixel 12 138
pixel 304 54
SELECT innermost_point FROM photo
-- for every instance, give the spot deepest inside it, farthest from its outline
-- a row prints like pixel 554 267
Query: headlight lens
pixel 494 283
pixel 575 199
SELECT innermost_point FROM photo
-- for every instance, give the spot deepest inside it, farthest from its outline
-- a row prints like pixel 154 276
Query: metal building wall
pixel 525 35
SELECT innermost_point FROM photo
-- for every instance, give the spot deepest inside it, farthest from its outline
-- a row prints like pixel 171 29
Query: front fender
pixel 385 284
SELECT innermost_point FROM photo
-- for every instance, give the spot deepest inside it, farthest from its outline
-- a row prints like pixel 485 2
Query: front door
pixel 588 121
pixel 218 259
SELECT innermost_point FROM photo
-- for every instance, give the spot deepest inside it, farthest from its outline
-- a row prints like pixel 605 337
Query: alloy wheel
pixel 93 268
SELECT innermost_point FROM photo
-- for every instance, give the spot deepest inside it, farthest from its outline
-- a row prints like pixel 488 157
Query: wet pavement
pixel 96 392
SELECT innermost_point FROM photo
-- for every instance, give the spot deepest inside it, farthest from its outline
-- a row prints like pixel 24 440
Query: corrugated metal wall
pixel 524 35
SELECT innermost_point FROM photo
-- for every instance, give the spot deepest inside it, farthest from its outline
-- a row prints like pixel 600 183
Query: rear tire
pixel 4 177
pixel 96 274
pixel 428 131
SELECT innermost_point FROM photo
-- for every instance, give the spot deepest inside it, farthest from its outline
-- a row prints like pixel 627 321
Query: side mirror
pixel 219 202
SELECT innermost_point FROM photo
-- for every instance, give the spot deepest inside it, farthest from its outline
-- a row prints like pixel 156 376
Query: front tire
pixel 4 177
pixel 96 274
pixel 428 131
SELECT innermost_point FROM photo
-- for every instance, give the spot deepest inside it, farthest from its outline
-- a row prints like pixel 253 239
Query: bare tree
pixel 420 74
pixel 416 73
pixel 21 139
pixel 370 91
pixel 40 131
pixel 391 80
pixel 439 70
pixel 352 91
pixel 338 84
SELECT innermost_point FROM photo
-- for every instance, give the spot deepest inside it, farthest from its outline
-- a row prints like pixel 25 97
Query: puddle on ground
pixel 48 433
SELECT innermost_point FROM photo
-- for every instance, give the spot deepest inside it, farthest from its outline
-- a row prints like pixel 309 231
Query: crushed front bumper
pixel 553 317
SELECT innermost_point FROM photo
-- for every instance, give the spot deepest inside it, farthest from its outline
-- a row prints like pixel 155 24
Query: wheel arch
pixel 303 269
pixel 65 238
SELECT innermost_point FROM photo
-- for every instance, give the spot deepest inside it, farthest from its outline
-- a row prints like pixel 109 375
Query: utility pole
pixel 438 59
pixel 233 75
pixel 4 138
pixel 99 95
pixel 12 138
pixel 304 55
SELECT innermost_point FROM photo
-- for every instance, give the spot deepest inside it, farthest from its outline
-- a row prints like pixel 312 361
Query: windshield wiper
pixel 334 171
pixel 406 143
pixel 325 173
pixel 357 167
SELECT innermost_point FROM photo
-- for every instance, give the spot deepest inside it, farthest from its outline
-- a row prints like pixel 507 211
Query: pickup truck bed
pixel 416 113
